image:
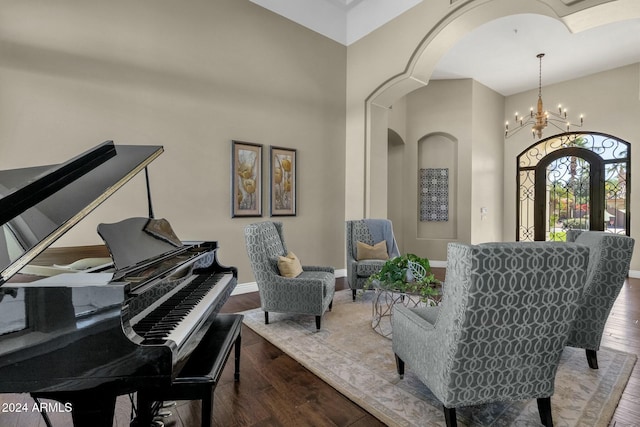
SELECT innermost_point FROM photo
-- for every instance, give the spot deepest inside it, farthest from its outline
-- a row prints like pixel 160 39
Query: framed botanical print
pixel 246 179
pixel 283 182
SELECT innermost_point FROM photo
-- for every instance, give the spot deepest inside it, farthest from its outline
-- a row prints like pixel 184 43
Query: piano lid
pixel 40 204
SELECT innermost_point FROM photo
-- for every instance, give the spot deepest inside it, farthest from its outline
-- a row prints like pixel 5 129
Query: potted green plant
pixel 408 274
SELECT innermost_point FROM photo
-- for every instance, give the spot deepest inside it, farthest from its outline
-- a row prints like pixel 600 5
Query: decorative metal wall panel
pixel 434 194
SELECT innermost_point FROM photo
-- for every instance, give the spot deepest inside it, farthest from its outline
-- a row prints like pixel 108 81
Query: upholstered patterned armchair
pixel 311 292
pixel 609 259
pixel 500 330
pixel 368 232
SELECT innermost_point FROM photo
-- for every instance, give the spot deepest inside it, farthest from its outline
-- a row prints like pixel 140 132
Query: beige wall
pixel 193 76
pixel 190 76
pixel 451 124
pixel 487 177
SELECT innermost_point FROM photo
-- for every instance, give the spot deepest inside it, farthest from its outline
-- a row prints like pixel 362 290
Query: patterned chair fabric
pixel 609 259
pixel 309 293
pixel 369 231
pixel 500 330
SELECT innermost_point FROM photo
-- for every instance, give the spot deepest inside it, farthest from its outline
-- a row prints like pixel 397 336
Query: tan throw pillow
pixel 289 266
pixel 377 251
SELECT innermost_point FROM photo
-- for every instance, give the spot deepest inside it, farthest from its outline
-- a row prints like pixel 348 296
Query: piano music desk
pixel 199 377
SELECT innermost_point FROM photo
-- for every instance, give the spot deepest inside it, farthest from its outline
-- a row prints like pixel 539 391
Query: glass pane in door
pixel 615 191
pixel 567 196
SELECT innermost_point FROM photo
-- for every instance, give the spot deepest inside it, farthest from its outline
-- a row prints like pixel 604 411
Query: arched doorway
pixel 573 181
pixel 367 122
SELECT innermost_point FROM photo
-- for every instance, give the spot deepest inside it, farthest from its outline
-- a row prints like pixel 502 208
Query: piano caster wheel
pixel 157 423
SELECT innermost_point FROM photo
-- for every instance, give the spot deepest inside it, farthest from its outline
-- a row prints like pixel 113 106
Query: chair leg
pixel 266 317
pixel 399 366
pixel 544 408
pixel 592 359
pixel 318 322
pixel 450 416
pixel 353 294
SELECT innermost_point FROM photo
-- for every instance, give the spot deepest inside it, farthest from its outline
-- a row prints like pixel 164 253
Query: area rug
pixel 358 362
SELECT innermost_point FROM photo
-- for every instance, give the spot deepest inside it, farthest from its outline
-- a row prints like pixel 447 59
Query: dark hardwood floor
pixel 275 390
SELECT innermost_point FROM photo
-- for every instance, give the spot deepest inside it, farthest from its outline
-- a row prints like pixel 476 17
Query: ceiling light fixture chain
pixel 540 56
pixel 541 118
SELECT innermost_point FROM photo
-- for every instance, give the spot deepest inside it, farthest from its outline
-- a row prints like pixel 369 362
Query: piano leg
pixel 145 411
pixel 88 409
pixel 238 346
pixel 95 411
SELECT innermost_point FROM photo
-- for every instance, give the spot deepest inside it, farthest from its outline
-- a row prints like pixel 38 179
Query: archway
pixel 461 18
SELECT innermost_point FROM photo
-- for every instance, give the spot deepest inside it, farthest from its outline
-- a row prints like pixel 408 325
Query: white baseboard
pixel 634 274
pixel 245 288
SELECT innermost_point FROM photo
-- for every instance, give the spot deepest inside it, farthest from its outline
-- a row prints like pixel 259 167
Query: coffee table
pixel 384 301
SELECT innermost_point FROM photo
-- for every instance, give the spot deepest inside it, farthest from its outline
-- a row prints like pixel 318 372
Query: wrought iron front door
pixel 568 193
pixel 573 180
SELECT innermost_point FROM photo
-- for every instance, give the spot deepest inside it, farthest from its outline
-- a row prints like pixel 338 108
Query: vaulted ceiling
pixel 500 54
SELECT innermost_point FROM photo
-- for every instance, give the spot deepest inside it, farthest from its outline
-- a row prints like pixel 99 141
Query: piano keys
pixel 83 338
pixel 183 307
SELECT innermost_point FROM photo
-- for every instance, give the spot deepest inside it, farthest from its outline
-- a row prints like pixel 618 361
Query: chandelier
pixel 539 119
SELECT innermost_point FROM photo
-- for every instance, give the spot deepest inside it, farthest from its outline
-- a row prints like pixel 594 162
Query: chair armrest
pixel 422 346
pixel 293 284
pixel 414 319
pixel 317 268
pixel 352 268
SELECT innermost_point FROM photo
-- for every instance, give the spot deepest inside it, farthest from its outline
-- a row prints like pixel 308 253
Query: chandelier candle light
pixel 541 118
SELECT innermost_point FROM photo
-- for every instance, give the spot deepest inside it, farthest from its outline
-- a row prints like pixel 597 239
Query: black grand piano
pixel 111 328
